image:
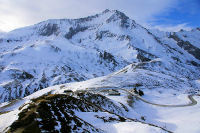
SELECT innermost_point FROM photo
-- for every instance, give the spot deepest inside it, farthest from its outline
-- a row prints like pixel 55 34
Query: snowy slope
pixel 92 105
pixel 66 50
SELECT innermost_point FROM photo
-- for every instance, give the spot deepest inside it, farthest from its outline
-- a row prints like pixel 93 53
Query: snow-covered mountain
pixel 66 50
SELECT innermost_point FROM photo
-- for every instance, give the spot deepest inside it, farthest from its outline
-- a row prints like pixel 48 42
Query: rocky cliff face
pixel 67 50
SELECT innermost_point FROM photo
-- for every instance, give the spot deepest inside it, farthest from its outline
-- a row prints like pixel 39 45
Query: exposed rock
pixel 73 31
pixel 186 45
pixel 49 29
pixel 54 113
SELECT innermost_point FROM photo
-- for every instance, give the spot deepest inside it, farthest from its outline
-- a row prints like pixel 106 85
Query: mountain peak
pixel 106 11
pixel 119 16
pixel 115 12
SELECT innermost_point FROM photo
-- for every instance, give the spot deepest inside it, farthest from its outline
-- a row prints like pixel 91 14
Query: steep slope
pixel 67 50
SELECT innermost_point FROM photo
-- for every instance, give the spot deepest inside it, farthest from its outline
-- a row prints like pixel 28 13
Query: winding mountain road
pixel 190 97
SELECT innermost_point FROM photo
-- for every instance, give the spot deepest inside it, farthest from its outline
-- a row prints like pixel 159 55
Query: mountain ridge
pixel 66 50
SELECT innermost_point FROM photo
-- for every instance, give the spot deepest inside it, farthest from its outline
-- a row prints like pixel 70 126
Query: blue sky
pixel 185 12
pixel 167 15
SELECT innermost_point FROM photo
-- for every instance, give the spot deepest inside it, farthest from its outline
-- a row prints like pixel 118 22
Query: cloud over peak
pixel 19 13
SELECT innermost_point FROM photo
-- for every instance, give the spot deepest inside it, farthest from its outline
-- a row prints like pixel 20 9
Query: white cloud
pixel 173 28
pixel 19 13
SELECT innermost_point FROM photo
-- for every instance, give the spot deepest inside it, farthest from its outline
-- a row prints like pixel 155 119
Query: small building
pixel 62 86
pixel 68 92
pixel 113 92
pixel 141 93
pixel 135 91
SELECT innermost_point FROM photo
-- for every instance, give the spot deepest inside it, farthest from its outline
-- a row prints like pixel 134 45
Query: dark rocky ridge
pixel 49 111
pixel 186 45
